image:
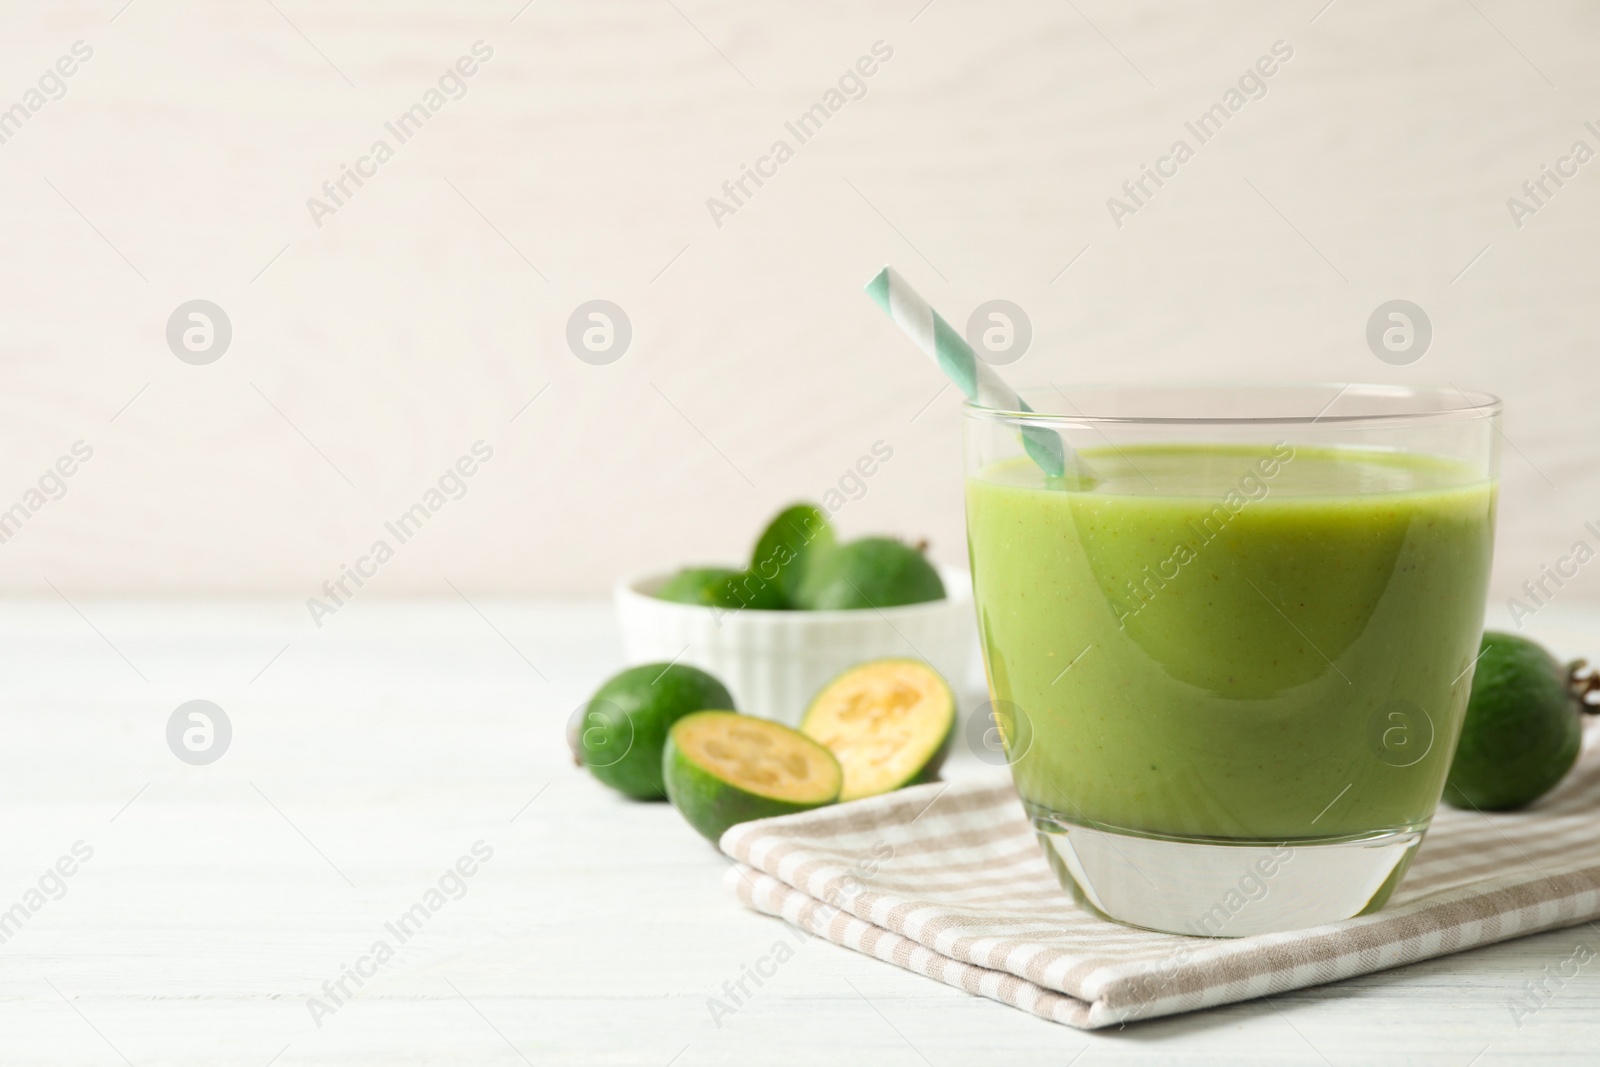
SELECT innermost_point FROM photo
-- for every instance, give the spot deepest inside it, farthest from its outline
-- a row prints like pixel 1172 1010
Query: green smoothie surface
pixel 1233 641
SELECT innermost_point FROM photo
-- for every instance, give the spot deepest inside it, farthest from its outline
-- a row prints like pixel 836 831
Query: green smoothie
pixel 1239 642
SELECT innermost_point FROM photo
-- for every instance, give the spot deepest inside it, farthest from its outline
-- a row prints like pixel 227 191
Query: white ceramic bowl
pixel 774 662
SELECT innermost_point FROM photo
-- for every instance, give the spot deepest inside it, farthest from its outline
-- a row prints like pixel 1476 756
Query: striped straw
pixel 975 378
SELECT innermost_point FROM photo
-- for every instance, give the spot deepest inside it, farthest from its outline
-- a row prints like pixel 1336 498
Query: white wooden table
pixel 369 756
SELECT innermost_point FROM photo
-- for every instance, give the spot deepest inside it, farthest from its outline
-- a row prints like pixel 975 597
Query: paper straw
pixel 976 379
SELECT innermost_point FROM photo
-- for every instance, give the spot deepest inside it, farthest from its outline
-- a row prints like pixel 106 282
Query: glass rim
pixel 1461 404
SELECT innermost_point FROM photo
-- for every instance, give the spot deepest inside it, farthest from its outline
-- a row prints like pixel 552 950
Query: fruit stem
pixel 1583 682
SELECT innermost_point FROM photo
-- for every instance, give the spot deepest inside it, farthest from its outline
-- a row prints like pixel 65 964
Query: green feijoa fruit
pixel 873 572
pixel 798 535
pixel 623 728
pixel 887 722
pixel 719 587
pixel 722 768
pixel 747 589
pixel 696 585
pixel 1522 730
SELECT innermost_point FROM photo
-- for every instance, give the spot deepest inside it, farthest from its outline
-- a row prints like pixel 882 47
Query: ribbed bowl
pixel 774 662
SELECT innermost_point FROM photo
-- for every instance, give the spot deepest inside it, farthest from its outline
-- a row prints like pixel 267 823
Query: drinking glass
pixel 1229 664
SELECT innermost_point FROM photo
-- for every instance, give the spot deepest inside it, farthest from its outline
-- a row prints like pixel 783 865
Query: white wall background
pixel 409 325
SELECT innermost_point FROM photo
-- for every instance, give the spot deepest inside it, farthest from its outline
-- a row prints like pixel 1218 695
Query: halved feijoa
pixel 888 722
pixel 722 768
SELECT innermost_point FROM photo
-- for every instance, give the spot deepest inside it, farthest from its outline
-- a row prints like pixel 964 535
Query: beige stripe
pixel 801 875
pixel 869 940
pixel 986 837
pixel 960 884
pixel 875 812
pixel 774 848
pixel 1009 850
pixel 1048 900
pixel 1430 883
pixel 1042 877
pixel 807 877
pixel 1485 834
pixel 1049 897
pixel 1554 848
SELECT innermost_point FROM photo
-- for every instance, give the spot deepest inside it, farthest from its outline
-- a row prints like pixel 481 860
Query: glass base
pixel 1215 887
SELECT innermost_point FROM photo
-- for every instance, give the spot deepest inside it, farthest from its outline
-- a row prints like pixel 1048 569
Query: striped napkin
pixel 947 880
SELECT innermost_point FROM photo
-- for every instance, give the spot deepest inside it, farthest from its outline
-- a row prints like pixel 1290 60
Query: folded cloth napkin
pixel 948 880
